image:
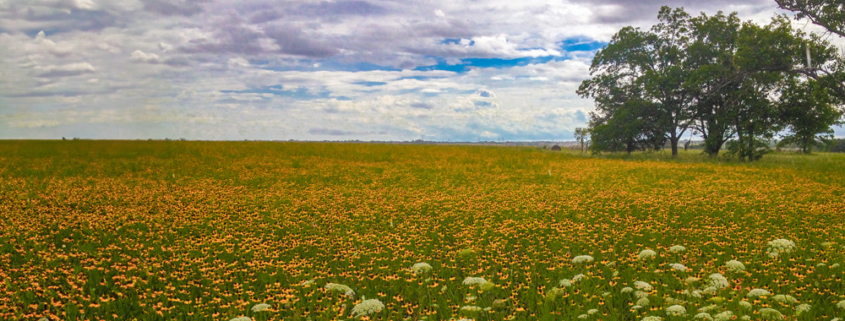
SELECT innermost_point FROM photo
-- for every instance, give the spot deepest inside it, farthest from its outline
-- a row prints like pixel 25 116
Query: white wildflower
pixel 723 316
pixel 745 318
pixel 565 283
pixel 643 302
pixel 582 259
pixel 471 298
pixel 676 310
pixel 718 281
pixel 834 265
pixel 745 305
pixel 643 286
pixel 780 246
pixel 340 288
pixel 785 298
pixel 636 307
pixel 652 318
pixel 627 289
pixel 771 314
pixel 592 311
pixel 306 283
pixel 646 254
pixel 640 294
pixel 420 268
pixel 678 267
pixel 677 249
pixel 755 293
pixel 578 277
pixel 367 307
pixel 474 281
pixel 841 304
pixel 703 316
pixel 470 308
pixel 693 293
pixel 735 266
pixel 584 316
pixel 709 308
pixel 610 264
pixel 241 319
pixel 260 307
pixel 801 308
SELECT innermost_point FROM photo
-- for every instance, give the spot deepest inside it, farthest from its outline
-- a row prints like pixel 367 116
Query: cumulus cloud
pixel 140 56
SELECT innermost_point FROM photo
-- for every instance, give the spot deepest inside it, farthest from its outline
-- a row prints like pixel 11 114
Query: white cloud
pixel 140 56
pixel 439 13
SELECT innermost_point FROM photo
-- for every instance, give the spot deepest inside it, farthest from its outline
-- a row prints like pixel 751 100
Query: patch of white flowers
pixel 756 293
pixel 652 318
pixel 678 267
pixel 474 281
pixel 735 266
pixel 471 308
pixel 643 286
pixel 565 283
pixel 718 281
pixel 367 307
pixel 841 304
pixel 646 254
pixel 582 259
pixel 340 288
pixel 723 316
pixel 677 249
pixel 785 298
pixel 703 316
pixel 260 307
pixel 776 247
pixel 627 289
pixel 421 268
pixel 676 310
pixel 241 319
pixel 771 314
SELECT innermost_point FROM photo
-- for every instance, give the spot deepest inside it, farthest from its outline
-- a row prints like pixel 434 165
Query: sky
pixel 456 70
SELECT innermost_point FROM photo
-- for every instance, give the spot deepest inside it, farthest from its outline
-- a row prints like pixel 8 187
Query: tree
pixel 829 14
pixel 651 65
pixel 714 43
pixel 582 136
pixel 808 110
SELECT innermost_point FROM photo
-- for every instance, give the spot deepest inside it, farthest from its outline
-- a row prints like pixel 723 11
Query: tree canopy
pixel 733 82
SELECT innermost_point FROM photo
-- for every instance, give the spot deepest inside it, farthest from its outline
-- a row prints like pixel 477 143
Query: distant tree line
pixel 736 84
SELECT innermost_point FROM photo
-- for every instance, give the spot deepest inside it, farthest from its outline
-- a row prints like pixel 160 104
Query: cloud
pixel 65 70
pixel 140 56
pixel 174 7
pixel 291 40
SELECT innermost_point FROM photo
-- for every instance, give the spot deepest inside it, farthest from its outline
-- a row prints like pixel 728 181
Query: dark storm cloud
pixel 174 8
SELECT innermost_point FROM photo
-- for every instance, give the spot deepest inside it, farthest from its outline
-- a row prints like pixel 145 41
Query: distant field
pixel 96 230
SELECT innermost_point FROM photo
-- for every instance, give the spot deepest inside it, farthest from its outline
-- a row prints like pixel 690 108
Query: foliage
pixel 720 77
pixel 206 230
pixel 808 110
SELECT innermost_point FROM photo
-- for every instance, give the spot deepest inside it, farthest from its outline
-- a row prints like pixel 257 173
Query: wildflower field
pixel 98 230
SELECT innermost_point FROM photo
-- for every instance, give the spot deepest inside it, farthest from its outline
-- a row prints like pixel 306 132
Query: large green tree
pixel 808 109
pixel 649 64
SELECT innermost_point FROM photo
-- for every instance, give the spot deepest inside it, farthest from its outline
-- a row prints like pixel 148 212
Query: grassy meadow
pixel 155 230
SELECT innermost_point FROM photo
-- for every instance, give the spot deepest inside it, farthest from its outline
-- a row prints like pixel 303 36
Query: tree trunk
pixel 674 142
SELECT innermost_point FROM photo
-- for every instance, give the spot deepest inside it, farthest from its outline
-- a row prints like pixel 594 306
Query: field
pixel 95 230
